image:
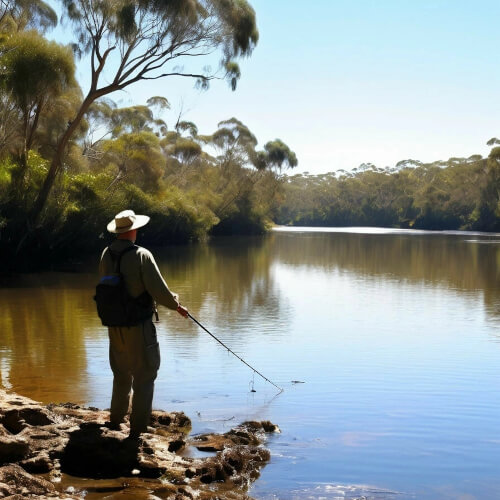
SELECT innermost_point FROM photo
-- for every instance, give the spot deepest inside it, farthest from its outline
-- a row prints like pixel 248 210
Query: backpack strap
pixel 119 256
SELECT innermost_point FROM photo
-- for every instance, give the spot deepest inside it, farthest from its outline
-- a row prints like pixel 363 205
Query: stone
pixel 72 447
pixel 6 490
pixel 12 449
pixel 176 445
pixel 40 464
pixel 17 419
pixel 23 482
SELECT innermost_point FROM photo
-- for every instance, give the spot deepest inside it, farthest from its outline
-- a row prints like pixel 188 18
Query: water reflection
pixel 230 276
pixel 391 333
pixel 453 261
pixel 48 324
pixel 41 344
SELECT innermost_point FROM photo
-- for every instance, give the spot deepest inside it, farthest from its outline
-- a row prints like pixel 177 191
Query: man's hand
pixel 182 311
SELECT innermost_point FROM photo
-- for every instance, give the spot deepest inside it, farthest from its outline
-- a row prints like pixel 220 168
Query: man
pixel 134 353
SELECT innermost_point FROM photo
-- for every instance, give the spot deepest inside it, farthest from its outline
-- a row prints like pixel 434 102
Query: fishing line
pixel 252 383
pixel 234 354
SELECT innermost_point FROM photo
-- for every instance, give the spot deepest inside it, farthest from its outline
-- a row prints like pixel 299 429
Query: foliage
pixel 17 15
pixel 150 40
pixel 27 54
pixel 136 156
pixel 175 178
pixel 69 162
pixel 279 155
pixel 461 193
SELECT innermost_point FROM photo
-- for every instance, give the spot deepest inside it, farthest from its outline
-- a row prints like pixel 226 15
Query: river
pixel 393 335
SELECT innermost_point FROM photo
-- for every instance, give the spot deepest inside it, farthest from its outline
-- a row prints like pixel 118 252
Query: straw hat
pixel 126 221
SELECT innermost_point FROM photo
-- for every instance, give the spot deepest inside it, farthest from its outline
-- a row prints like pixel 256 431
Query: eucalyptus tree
pixel 234 142
pixel 53 123
pixel 246 172
pixel 182 145
pixel 234 145
pixel 279 156
pixel 135 118
pixel 35 71
pixel 106 120
pixel 187 165
pixel 137 157
pixel 130 41
pixel 9 120
pixel 488 206
pixel 18 15
pixel 98 118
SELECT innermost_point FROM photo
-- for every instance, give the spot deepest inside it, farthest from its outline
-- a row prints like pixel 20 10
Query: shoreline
pixel 66 451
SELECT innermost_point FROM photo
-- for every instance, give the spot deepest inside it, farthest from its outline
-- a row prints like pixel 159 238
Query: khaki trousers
pixel 134 356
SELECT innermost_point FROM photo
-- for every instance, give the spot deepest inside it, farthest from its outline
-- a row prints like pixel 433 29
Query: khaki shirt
pixel 140 273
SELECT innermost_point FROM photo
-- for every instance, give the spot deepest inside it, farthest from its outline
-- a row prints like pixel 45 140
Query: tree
pixel 98 119
pixel 104 119
pixel 53 123
pixel 137 156
pixel 183 150
pixel 9 119
pixel 237 147
pixel 149 39
pixel 279 155
pixel 35 71
pixel 17 15
pixel 488 209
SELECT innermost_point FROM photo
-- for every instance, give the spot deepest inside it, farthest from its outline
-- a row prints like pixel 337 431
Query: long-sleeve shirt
pixel 140 273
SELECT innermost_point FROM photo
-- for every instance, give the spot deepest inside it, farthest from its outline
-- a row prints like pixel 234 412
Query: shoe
pixel 112 426
pixel 134 435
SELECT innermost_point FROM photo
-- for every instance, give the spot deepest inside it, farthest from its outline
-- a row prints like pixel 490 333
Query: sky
pixel 345 82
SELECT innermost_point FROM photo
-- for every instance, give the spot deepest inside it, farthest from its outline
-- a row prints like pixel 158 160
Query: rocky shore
pixel 66 451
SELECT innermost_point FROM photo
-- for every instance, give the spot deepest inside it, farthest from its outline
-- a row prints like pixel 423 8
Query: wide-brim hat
pixel 126 221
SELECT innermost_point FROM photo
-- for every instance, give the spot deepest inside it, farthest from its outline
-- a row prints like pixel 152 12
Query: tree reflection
pixel 50 332
pixel 463 262
pixel 228 281
pixel 49 320
pixel 42 344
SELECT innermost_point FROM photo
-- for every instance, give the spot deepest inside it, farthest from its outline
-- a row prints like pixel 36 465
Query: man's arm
pixel 156 285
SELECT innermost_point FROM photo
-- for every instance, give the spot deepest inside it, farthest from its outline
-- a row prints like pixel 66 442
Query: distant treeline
pixel 461 193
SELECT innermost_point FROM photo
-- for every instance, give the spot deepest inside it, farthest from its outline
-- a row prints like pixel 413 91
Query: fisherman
pixel 134 353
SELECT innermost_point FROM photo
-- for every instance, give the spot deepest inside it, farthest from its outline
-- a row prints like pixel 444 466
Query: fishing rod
pixel 233 353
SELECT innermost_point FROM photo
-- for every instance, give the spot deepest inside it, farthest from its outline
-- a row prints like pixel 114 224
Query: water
pixel 395 335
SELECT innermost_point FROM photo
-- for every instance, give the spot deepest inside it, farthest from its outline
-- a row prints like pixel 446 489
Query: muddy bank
pixel 66 451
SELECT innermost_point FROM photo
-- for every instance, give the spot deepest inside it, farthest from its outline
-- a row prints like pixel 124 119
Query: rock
pixel 68 441
pixel 23 483
pixel 12 449
pixel 6 490
pixel 40 464
pixel 248 433
pixel 17 419
pixel 176 445
pixel 170 421
pixel 210 442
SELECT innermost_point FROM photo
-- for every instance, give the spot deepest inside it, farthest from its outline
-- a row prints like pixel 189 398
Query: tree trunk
pixel 30 136
pixel 57 160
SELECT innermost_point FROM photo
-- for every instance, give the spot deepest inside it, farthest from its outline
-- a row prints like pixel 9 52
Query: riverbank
pixel 66 451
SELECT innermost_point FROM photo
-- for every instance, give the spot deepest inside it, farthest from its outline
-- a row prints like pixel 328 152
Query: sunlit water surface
pixel 394 334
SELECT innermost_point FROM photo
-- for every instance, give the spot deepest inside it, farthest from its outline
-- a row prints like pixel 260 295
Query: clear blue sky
pixel 344 82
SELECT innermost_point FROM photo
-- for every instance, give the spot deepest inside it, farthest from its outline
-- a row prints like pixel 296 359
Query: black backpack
pixel 115 306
